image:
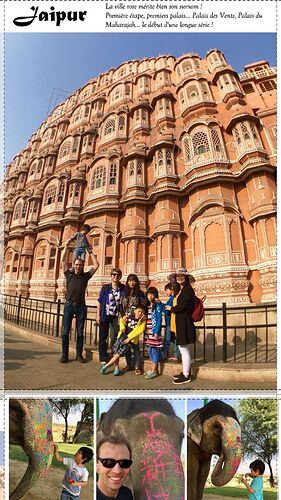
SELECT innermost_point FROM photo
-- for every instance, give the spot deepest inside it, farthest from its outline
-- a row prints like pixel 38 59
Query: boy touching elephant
pixel 76 474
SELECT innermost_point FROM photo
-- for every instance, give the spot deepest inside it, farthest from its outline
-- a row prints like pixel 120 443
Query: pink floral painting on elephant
pixel 155 433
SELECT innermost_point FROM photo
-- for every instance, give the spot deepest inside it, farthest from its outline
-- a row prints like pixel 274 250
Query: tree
pixel 63 407
pixel 87 417
pixel 258 419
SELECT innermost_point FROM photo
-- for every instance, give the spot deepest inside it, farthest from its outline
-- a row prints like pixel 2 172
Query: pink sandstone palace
pixel 171 161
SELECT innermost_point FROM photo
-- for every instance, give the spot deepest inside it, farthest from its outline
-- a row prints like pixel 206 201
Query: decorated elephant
pixel 155 434
pixel 30 424
pixel 212 430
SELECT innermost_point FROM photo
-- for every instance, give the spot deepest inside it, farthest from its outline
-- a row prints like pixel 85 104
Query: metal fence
pixel 239 334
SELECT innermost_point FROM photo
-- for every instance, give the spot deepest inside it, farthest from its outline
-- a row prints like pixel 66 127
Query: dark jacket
pixel 128 302
pixel 104 292
pixel 185 329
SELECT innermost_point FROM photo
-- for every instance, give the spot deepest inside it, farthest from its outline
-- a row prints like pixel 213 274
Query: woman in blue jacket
pixel 108 310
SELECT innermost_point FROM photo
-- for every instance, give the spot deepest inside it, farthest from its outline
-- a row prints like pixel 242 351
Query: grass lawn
pixel 65 450
pixel 239 492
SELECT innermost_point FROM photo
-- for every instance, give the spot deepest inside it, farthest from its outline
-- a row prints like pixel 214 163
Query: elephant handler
pixel 114 460
pixel 77 281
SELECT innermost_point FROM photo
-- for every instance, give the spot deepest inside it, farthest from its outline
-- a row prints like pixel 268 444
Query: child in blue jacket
pixel 153 338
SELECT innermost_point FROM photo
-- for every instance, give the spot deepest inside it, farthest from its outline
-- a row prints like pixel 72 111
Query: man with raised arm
pixel 77 281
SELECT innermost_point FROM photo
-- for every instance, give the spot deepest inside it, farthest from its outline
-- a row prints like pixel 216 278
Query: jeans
pixel 79 252
pixel 103 334
pixel 137 355
pixel 166 344
pixel 154 354
pixel 80 312
pixel 65 495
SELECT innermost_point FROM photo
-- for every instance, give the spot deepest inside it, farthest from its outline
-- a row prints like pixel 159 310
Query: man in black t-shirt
pixel 77 281
pixel 114 460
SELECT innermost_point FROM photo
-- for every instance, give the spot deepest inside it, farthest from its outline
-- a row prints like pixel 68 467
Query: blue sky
pixel 38 63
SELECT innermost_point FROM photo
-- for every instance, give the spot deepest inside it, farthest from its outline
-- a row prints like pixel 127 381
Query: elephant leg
pixel 192 473
pixel 202 478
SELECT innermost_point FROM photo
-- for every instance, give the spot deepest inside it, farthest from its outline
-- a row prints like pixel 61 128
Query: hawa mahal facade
pixel 171 161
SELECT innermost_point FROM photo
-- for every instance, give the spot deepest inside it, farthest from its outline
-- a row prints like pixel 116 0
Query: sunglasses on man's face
pixel 116 274
pixel 109 463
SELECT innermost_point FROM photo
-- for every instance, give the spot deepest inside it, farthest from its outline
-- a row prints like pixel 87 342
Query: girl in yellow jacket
pixel 130 330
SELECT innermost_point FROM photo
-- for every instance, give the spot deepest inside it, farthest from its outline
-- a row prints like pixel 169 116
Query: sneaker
pixel 103 369
pixel 80 359
pixel 179 375
pixel 151 375
pixel 117 372
pixel 182 380
pixel 64 359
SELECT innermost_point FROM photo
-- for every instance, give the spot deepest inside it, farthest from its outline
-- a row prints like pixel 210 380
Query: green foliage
pixel 63 408
pixel 258 419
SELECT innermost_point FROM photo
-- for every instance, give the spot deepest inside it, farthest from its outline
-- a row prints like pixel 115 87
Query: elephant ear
pixel 194 427
pixel 120 427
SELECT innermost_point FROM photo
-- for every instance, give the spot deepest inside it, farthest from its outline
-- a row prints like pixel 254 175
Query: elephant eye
pixel 217 428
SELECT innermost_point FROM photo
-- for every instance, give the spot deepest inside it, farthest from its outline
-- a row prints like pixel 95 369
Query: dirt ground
pixel 48 488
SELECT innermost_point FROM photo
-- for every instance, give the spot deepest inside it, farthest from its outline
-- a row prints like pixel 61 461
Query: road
pixel 33 364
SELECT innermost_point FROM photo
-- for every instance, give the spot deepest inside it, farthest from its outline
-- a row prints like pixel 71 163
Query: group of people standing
pixel 130 313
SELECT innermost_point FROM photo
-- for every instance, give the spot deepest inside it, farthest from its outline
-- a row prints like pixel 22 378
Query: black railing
pixel 238 334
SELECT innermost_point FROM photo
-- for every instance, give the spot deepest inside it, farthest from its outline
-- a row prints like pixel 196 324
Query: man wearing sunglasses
pixel 75 305
pixel 114 460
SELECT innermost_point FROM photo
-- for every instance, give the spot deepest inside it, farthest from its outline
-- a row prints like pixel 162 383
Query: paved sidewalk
pixel 33 364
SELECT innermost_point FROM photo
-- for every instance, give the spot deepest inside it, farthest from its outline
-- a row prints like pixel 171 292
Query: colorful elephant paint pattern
pixel 232 441
pixel 39 439
pixel 159 454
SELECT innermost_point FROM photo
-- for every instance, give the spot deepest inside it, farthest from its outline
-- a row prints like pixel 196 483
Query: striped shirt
pixel 149 337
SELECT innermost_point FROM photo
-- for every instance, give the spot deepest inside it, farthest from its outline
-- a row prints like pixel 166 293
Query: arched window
pixel 186 148
pixel 39 166
pixel 200 143
pixel 98 179
pixel 113 173
pixel 109 241
pixel 121 122
pixel 65 148
pixel 18 210
pixel 61 191
pixel 109 127
pixel 245 131
pixel 50 195
pixel 24 209
pixel 52 258
pixel 75 145
pixel 216 140
pixel 131 168
pixel 187 67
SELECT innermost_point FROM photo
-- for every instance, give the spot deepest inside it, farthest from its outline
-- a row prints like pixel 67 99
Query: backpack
pixel 198 311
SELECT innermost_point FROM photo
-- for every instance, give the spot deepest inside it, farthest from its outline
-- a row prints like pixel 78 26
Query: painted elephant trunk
pixel 231 453
pixel 35 436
